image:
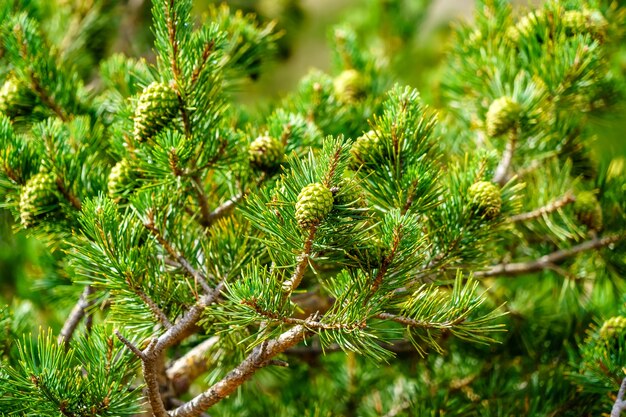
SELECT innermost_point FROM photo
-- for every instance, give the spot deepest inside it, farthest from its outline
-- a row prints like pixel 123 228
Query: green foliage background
pixel 28 271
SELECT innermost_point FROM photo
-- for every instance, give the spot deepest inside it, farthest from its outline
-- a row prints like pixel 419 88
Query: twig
pixel 78 312
pixel 154 308
pixel 178 403
pixel 501 175
pixel 620 404
pixel 34 80
pixel 129 345
pixel 257 359
pixel 194 363
pixel 180 330
pixel 303 260
pixel 203 202
pixel 224 209
pixel 378 280
pixel 418 323
pixel 546 261
pixel 197 275
pixel 548 208
pixel 74 201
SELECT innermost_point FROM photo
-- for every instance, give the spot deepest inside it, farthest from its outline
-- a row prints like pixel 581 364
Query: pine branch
pixel 151 357
pixel 197 275
pixel 378 280
pixel 77 314
pixel 257 359
pixel 303 261
pixel 224 209
pixel 501 175
pixel 153 306
pixel 183 371
pixel 541 211
pixel 620 404
pixel 205 213
pixel 35 83
pixel 546 261
pixel 74 201
pixel 206 53
pixel 406 321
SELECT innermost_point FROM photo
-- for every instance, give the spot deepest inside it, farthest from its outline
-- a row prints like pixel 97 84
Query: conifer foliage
pixel 351 249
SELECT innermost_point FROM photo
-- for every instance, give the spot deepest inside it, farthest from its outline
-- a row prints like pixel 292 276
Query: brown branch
pixel 541 211
pixel 302 262
pixel 257 359
pixel 378 280
pixel 202 201
pixel 501 175
pixel 154 308
pixel 620 404
pixel 197 275
pixel 151 357
pixel 546 261
pixel 224 209
pixel 77 314
pixel 183 371
pixel 406 321
pixel 309 323
pixel 206 53
pixel 74 201
pixel 129 345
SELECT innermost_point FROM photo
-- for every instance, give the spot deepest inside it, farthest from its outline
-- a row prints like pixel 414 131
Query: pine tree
pixel 347 250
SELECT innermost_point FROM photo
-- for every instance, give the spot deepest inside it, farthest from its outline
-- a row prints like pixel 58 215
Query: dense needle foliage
pixel 345 249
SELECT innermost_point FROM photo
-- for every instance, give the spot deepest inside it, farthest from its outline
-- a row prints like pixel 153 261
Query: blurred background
pixel 411 35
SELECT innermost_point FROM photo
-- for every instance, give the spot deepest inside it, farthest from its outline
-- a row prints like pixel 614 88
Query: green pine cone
pixel 315 201
pixel 121 179
pixel 588 210
pixel 586 21
pixel 9 94
pixel 526 27
pixel 156 107
pixel 503 114
pixel 350 86
pixel 613 327
pixel 266 153
pixel 39 197
pixel 362 151
pixel 485 199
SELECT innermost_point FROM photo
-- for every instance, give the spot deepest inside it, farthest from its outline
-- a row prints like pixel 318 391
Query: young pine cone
pixel 362 152
pixel 315 201
pixel 350 86
pixel 502 116
pixel 266 153
pixel 485 199
pixel 39 197
pixel 157 106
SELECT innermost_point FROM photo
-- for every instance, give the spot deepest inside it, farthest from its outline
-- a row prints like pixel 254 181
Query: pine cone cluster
pixel 156 107
pixel 485 199
pixel 363 150
pixel 350 86
pixel 266 153
pixel 588 210
pixel 314 203
pixel 503 114
pixel 39 197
